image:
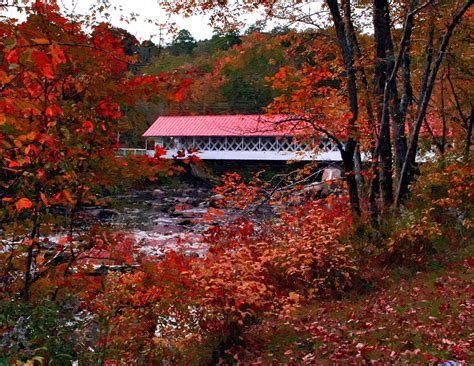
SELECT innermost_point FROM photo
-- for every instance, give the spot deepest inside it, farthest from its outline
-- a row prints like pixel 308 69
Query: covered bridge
pixel 235 137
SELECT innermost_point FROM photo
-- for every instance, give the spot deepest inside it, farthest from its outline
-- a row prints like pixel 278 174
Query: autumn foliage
pixel 330 272
pixel 63 92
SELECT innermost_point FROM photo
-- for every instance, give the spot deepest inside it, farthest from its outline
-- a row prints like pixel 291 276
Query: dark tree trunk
pixel 358 168
pixel 374 189
pixel 349 167
pixel 442 140
pixel 383 65
pixel 348 58
pixel 400 106
pixel 408 165
pixel 467 122
pixel 30 259
pixel 354 50
pixel 467 148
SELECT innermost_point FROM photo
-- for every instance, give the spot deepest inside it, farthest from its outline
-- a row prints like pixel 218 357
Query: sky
pixel 145 9
pixel 149 14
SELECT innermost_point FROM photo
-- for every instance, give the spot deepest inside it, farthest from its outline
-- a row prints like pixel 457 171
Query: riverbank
pixel 410 317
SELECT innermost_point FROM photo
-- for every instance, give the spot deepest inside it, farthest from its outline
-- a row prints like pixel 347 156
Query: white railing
pixel 136 152
pixel 240 148
pixel 242 143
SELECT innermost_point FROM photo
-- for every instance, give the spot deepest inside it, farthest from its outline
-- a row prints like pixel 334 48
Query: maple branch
pixel 407 31
pixel 311 122
pixel 83 45
pixel 420 8
pixel 277 188
pixel 430 131
pixel 301 181
pixel 456 99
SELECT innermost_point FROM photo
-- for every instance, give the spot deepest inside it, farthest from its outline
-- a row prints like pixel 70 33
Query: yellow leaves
pixel 293 296
pixel 31 136
pixel 78 86
pixel 32 362
pixel 41 41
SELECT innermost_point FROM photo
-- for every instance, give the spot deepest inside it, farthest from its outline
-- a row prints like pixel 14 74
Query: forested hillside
pixel 227 74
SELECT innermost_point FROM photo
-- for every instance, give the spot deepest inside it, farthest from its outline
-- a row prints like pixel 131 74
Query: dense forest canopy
pixel 373 266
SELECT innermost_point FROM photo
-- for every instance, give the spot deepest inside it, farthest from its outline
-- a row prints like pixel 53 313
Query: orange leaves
pixel 57 54
pixel 31 135
pixel 159 151
pixel 5 78
pixel 178 96
pixel 23 203
pixel 53 111
pixel 14 164
pixel 251 270
pixel 31 148
pixel 67 196
pixel 41 41
pixel 44 199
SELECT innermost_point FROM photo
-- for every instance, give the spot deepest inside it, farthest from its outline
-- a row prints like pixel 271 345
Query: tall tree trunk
pixel 358 168
pixel 30 258
pixel 467 122
pixel 408 164
pixel 427 63
pixel 407 96
pixel 355 50
pixel 400 106
pixel 467 148
pixel 373 190
pixel 383 54
pixel 349 168
pixel 442 140
pixel 351 144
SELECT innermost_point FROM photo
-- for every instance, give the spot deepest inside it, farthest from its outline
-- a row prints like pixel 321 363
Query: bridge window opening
pixel 268 144
pixel 285 144
pixel 244 143
pixel 234 143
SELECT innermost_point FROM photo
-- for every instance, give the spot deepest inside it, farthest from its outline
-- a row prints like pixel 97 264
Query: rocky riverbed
pixel 159 219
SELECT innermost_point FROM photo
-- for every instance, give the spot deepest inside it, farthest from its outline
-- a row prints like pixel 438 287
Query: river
pixel 160 219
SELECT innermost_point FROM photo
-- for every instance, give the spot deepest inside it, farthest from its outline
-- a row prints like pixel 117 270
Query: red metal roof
pixel 225 125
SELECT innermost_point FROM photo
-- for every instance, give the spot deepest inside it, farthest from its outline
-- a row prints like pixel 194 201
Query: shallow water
pixel 163 218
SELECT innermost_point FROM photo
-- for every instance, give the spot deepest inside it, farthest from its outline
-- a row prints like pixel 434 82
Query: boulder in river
pixel 185 222
pixel 106 214
pixel 214 199
pixel 157 193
